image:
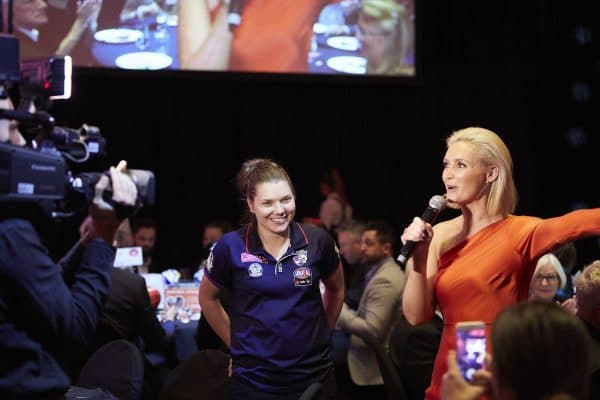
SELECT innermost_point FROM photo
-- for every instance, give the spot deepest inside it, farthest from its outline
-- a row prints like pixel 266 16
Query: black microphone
pixel 436 205
pixel 234 13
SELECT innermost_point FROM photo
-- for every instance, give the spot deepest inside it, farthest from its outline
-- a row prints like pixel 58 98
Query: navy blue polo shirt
pixel 279 331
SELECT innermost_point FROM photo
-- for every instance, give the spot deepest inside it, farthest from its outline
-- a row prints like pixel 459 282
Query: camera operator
pixel 9 131
pixel 42 320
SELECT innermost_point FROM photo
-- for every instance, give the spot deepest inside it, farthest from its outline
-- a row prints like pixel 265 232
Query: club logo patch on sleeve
pixel 255 270
pixel 302 276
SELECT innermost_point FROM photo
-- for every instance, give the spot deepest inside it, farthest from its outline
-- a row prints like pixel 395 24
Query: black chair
pixel 118 367
pixel 394 388
pixel 202 375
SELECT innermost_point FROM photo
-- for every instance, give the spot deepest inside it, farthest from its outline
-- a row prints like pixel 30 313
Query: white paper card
pixel 128 257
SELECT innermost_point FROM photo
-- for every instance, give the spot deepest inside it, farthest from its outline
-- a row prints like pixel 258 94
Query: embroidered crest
pixel 255 270
pixel 300 257
pixel 302 276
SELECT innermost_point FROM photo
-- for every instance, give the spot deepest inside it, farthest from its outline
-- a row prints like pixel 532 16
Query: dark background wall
pixel 524 69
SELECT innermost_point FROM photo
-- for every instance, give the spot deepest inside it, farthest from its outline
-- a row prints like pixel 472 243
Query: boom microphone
pixel 436 205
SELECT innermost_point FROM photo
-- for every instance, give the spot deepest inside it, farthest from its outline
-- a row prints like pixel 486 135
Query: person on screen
pixel 279 324
pixel 34 28
pixel 273 36
pixel 384 37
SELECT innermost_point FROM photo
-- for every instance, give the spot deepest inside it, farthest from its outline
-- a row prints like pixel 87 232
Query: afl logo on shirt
pixel 302 276
pixel 255 270
pixel 300 258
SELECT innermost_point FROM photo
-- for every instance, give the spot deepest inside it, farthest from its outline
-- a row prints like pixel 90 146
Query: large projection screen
pixel 347 37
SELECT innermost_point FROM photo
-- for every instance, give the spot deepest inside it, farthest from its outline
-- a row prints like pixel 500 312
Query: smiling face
pixel 274 206
pixel 464 175
pixel 545 283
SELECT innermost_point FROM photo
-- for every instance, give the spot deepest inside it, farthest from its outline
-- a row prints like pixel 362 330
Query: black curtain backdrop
pixel 507 66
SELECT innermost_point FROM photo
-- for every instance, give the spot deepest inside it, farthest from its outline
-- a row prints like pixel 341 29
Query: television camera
pixel 39 172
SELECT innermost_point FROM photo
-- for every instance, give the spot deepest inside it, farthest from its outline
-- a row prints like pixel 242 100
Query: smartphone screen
pixel 470 347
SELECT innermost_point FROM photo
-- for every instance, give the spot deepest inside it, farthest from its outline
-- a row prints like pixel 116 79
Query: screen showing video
pixel 352 37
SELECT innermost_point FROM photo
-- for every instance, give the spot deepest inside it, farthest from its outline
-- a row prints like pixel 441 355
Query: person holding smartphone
pixel 554 366
pixel 475 265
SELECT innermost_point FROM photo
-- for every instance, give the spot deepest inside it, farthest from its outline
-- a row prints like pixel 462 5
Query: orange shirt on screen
pixel 274 35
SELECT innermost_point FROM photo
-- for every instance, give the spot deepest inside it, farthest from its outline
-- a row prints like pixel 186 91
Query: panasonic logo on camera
pixel 45 168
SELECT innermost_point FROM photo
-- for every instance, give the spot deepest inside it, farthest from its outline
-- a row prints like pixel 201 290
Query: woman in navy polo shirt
pixel 279 324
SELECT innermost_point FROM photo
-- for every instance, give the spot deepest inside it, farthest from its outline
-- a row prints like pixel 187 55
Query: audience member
pixel 349 238
pixel 279 324
pixel 548 277
pixel 413 349
pixel 335 209
pixel 541 352
pixel 31 15
pixel 213 231
pixel 43 322
pixel 588 305
pixel 477 175
pixel 378 309
pixel 144 229
pixel 273 36
pixel 384 37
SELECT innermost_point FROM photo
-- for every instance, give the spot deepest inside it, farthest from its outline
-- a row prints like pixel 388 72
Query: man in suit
pixel 379 306
pixel 349 238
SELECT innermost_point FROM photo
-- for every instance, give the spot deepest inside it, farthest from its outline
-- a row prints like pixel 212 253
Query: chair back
pixel 117 367
pixel 202 375
pixel 394 388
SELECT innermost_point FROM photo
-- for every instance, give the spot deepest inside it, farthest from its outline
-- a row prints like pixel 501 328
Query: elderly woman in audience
pixel 555 365
pixel 548 277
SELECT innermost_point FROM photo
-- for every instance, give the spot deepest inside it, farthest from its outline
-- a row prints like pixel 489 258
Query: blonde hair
pixel 390 17
pixel 588 288
pixel 551 259
pixel 502 198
